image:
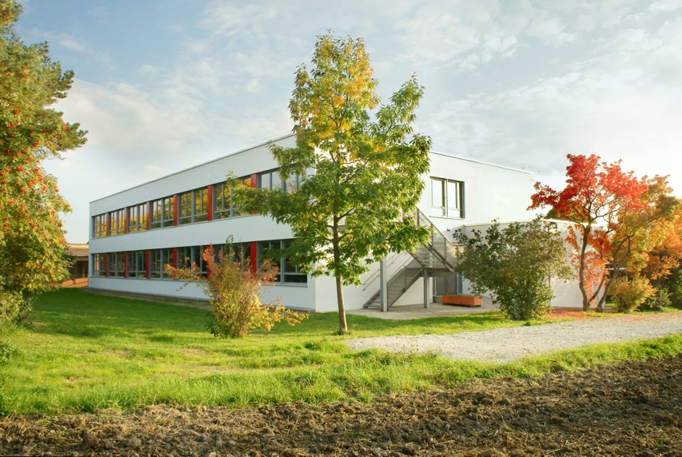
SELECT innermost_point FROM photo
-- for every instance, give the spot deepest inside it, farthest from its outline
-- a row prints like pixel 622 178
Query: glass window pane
pixel 437 197
pixel 265 181
pixel 200 205
pixel 453 199
pixel 276 180
pixel 291 184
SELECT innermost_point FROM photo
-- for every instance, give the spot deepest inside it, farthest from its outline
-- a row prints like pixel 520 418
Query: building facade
pixel 134 233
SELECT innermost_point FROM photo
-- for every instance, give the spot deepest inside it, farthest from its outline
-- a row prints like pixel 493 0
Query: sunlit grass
pixel 86 352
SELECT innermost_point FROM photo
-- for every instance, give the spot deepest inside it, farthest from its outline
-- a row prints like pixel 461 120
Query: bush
pixel 628 294
pixel 14 308
pixel 234 294
pixel 657 302
pixel 513 265
pixel 674 284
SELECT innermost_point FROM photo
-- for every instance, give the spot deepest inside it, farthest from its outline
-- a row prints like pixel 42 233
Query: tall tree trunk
pixel 581 268
pixel 343 325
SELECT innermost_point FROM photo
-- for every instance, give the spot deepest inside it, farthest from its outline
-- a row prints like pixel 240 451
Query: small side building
pixel 79 270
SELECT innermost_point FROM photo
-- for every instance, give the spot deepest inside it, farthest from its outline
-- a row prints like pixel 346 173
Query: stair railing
pixel 393 258
pixel 439 245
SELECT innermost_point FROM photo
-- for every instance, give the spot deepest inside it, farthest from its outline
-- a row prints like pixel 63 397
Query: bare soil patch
pixel 633 409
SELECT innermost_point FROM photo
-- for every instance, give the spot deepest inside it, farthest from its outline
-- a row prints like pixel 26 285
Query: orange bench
pixel 462 300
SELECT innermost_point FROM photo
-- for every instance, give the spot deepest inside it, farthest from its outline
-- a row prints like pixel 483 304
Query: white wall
pixel 292 296
pixel 490 192
pixel 242 228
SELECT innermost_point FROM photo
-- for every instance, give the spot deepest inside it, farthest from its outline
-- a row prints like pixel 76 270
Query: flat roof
pixel 241 151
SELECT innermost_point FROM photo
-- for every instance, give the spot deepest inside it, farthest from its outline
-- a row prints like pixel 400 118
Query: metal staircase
pixel 437 256
pixel 397 285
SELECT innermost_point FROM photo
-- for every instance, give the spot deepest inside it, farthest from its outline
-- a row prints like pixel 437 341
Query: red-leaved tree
pixel 596 197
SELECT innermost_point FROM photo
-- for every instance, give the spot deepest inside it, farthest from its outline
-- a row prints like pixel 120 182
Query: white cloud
pixel 128 120
pixel 621 103
pixel 76 44
pixel 516 82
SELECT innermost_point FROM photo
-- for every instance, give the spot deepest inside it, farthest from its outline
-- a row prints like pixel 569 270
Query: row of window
pixel 151 264
pixel 192 206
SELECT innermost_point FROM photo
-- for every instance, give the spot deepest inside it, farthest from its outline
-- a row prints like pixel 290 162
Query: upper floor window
pixel 117 221
pixel 137 218
pixel 223 205
pixel 193 206
pixel 273 180
pixel 162 212
pixel 447 198
pixel 137 264
pixel 99 226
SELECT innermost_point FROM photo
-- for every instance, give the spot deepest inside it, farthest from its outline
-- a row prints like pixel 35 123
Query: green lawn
pixel 87 351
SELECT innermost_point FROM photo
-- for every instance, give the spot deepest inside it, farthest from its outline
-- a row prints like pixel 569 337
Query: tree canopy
pixel 616 215
pixel 359 176
pixel 32 244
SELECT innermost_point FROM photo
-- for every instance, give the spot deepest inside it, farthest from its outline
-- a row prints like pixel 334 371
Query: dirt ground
pixel 633 409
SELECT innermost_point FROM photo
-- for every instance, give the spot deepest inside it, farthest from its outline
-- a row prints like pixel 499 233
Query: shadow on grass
pixel 78 313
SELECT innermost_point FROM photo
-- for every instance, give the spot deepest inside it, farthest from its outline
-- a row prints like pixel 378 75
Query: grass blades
pixel 86 352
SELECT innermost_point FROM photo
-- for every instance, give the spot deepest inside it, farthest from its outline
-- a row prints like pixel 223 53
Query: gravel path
pixel 506 344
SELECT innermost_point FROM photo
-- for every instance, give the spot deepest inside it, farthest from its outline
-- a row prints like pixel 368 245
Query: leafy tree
pixel 32 245
pixel 664 264
pixel 359 176
pixel 234 294
pixel 666 257
pixel 640 230
pixel 596 197
pixel 514 264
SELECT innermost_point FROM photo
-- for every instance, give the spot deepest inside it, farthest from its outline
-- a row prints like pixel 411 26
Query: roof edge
pixel 197 166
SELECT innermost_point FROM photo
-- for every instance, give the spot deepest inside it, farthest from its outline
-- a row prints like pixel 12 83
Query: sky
pixel 162 85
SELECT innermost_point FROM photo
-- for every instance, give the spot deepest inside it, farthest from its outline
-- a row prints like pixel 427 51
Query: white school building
pixel 135 232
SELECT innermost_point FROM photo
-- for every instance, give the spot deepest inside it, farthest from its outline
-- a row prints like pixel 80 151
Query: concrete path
pixel 406 312
pixel 506 344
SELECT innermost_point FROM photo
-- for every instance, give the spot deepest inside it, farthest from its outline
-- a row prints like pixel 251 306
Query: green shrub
pixel 674 284
pixel 657 302
pixel 14 308
pixel 512 265
pixel 628 294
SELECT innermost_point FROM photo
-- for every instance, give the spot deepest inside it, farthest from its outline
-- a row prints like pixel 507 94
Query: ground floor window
pixel 116 266
pixel 99 265
pixel 190 256
pixel 151 263
pixel 137 264
pixel 448 285
pixel 160 258
pixel 289 272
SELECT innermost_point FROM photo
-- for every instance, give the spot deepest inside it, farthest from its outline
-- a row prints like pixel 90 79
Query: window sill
pixel 290 284
pixel 447 217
